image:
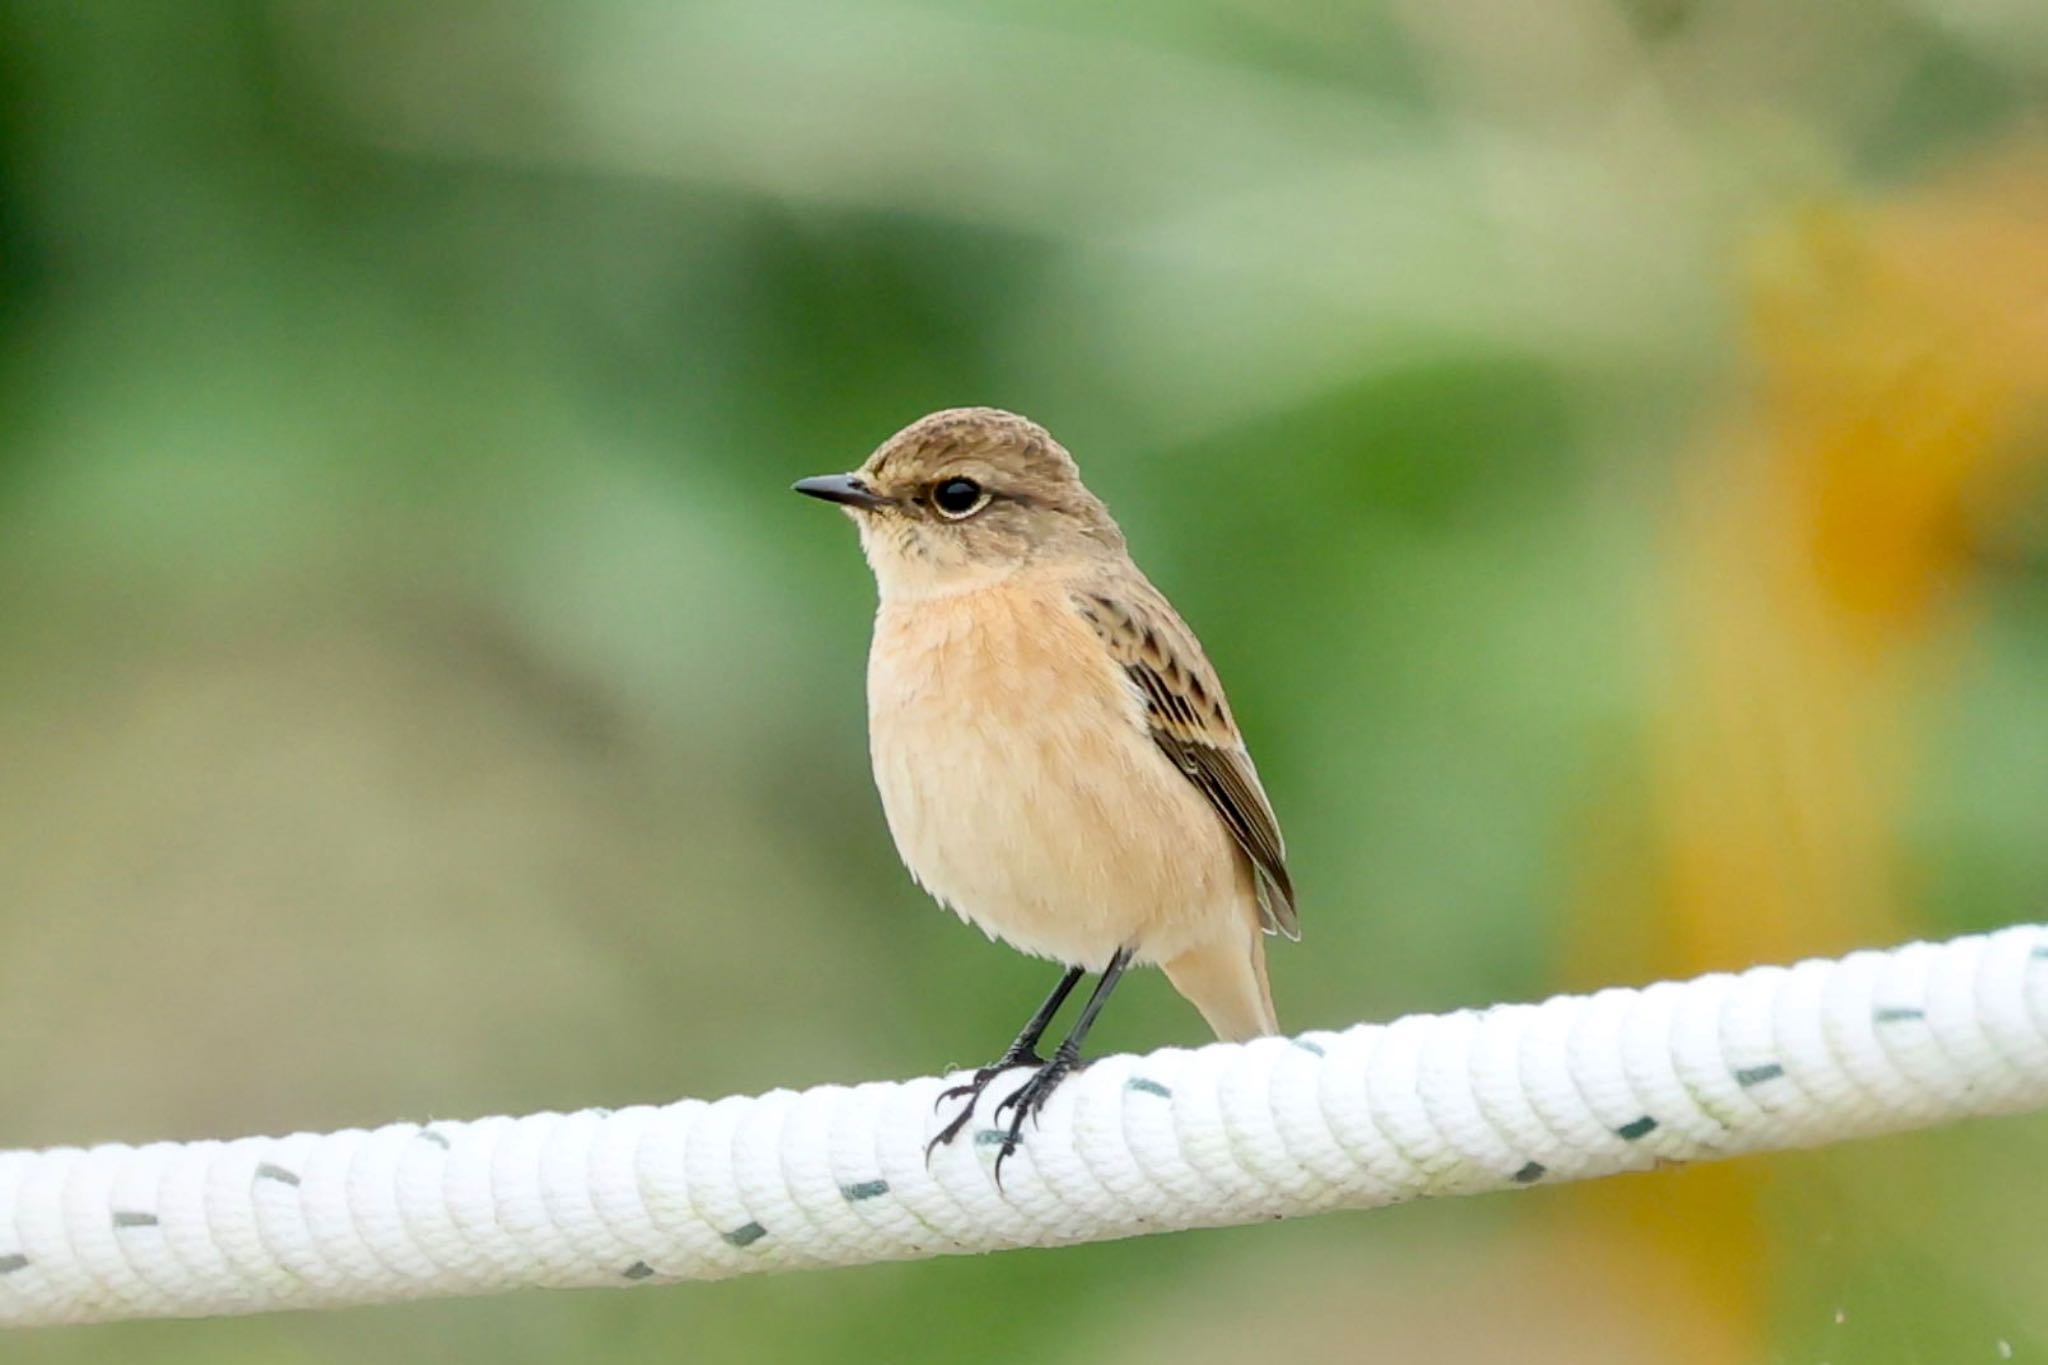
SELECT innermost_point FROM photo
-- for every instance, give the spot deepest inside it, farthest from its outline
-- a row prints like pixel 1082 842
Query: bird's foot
pixel 1027 1099
pixel 971 1092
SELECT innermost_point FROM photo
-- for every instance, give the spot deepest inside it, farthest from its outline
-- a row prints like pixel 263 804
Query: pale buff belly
pixel 1023 791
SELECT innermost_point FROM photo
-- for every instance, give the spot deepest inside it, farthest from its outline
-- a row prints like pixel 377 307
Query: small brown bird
pixel 1055 756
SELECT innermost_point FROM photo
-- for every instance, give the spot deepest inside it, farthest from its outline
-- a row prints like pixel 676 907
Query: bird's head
pixel 965 497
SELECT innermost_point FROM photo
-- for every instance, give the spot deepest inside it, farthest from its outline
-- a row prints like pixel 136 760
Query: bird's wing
pixel 1190 722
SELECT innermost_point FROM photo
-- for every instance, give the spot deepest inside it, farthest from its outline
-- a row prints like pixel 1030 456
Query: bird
pixel 1056 760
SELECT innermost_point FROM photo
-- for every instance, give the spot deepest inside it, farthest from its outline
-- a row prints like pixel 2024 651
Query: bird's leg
pixel 1022 1052
pixel 1027 1099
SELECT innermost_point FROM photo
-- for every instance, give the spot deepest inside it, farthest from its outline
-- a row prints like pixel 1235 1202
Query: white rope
pixel 1446 1104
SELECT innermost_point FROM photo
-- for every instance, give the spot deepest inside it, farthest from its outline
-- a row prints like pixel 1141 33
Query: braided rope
pixel 1429 1105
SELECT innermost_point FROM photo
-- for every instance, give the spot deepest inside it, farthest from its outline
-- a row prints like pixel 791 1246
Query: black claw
pixel 1027 1099
pixel 1008 1101
pixel 982 1076
pixel 971 1092
pixel 948 1133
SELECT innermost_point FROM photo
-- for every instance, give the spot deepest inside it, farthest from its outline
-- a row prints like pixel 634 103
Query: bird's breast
pixel 1022 787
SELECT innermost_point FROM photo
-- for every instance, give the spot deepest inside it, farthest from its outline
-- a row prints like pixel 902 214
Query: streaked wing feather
pixel 1191 723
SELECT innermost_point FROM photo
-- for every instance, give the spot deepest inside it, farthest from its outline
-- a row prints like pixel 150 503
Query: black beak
pixel 846 489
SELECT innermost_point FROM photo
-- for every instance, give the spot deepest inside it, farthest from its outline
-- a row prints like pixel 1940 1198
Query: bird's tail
pixel 1227 983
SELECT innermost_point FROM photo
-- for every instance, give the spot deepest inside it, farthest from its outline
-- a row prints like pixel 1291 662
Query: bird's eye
pixel 956 498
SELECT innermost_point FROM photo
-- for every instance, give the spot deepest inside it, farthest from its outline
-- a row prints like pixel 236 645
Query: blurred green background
pixel 1600 443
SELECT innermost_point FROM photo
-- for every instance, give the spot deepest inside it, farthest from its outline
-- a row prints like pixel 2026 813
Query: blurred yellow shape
pixel 1901 351
pixel 1821 557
